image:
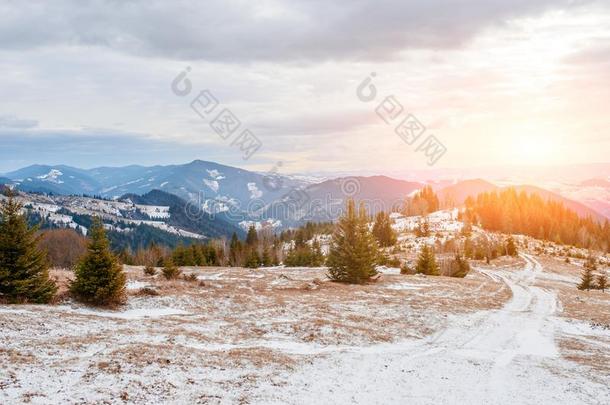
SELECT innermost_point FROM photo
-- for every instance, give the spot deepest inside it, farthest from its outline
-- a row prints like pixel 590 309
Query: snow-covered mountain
pixel 245 196
pixel 217 187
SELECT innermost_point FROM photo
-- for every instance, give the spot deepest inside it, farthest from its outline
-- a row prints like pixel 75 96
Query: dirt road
pixel 507 356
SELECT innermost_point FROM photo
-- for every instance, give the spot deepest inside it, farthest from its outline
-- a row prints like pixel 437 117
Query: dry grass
pixel 230 312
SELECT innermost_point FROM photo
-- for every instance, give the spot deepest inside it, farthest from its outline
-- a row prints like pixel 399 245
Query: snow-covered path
pixel 508 356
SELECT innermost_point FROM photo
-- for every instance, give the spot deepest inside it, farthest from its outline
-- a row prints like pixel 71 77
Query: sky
pixel 491 82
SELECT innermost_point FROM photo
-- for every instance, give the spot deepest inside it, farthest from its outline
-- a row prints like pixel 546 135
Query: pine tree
pixel 586 278
pixel 24 274
pixel 252 236
pixel 253 261
pixel 354 251
pixel 235 251
pixel 459 266
pixel 170 270
pixel 382 229
pixel 266 258
pixel 100 279
pixel 511 247
pixel 423 228
pixel 426 262
pixel 317 258
pixel 602 281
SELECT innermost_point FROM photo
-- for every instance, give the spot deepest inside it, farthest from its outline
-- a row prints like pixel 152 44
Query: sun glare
pixel 534 150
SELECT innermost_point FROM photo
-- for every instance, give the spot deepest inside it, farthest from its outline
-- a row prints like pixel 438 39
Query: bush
pixel 405 269
pixel 64 247
pixel 150 270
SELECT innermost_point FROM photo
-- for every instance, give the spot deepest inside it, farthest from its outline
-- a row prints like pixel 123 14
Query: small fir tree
pixel 602 281
pixel 100 279
pixel 426 262
pixel 423 228
pixel 459 266
pixel 24 274
pixel 586 278
pixel 170 270
pixel 382 229
pixel 252 236
pixel 511 247
pixel 235 251
pixel 253 261
pixel 266 259
pixel 354 251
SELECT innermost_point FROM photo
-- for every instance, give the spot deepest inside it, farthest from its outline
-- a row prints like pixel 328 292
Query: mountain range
pixel 245 196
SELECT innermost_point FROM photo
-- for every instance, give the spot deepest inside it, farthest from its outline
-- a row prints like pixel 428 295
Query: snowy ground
pixel 510 334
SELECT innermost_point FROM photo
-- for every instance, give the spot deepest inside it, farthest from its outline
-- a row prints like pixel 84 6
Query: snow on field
pixel 445 220
pixel 153 211
pixel 289 336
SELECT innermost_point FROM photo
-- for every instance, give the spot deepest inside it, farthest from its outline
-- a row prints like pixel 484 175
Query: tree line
pixel 510 212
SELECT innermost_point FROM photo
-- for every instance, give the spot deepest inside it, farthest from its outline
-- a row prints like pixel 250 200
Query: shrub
pixel 405 269
pixel 149 270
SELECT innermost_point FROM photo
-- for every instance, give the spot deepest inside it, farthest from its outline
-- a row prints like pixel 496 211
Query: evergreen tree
pixel 252 236
pixel 382 229
pixel 586 278
pixel 100 279
pixel 24 274
pixel 353 251
pixel 235 251
pixel 459 266
pixel 423 228
pixel 511 247
pixel 317 258
pixel 253 261
pixel 170 270
pixel 602 281
pixel 426 262
pixel 266 259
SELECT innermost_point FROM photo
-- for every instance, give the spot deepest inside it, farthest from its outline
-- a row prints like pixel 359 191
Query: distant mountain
pixel 217 187
pixel 603 183
pixel 325 201
pixel 186 218
pixel 456 194
pixel 54 179
pixel 575 206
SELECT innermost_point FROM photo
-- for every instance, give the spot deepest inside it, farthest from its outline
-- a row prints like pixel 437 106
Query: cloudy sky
pixel 88 83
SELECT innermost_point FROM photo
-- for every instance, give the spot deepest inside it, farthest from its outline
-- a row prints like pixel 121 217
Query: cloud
pixel 90 147
pixel 10 121
pixel 273 30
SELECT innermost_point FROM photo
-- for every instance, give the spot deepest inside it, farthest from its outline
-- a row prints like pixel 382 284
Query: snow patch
pixel 254 191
